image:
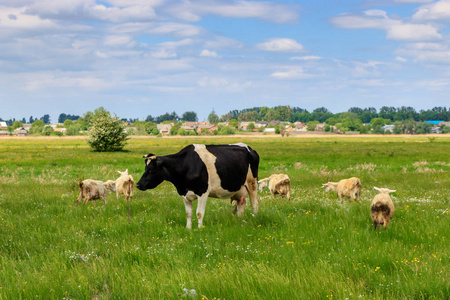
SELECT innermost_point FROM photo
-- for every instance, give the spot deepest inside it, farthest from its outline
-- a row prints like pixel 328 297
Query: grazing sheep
pixel 382 208
pixel 278 184
pixel 94 189
pixel 125 185
pixel 349 188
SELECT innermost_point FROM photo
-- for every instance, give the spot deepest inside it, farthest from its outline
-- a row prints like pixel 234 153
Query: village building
pixel 164 129
pixel 21 131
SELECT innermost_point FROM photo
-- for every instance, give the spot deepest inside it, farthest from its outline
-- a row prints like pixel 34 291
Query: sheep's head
pixel 123 173
pixel 384 190
pixel 110 185
pixel 330 186
pixel 263 183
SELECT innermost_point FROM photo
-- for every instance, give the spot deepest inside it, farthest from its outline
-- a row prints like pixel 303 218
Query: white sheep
pixel 349 188
pixel 124 185
pixel 382 208
pixel 94 189
pixel 278 184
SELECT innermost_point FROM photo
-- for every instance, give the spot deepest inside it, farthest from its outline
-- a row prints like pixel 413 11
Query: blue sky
pixel 148 57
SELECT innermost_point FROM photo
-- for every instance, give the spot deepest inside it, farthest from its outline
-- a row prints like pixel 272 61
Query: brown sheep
pixel 125 185
pixel 278 184
pixel 382 208
pixel 94 189
pixel 349 188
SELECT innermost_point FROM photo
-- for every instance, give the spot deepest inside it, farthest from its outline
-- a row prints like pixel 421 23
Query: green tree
pixel 17 124
pixel 48 130
pixel 37 127
pixel 189 116
pixel 213 118
pixel 233 123
pixel 68 123
pixel 251 127
pixel 311 125
pixel 107 132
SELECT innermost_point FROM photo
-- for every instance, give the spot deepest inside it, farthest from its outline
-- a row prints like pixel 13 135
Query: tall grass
pixel 311 247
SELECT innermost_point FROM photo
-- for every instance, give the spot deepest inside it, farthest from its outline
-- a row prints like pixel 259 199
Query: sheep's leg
pixel 375 225
pixel 79 198
pixel 117 195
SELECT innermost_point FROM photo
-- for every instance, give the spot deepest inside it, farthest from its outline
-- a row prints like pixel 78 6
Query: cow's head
pixel 152 176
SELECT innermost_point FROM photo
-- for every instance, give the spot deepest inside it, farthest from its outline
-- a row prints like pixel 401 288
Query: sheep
pixel 349 188
pixel 94 189
pixel 278 184
pixel 382 208
pixel 124 185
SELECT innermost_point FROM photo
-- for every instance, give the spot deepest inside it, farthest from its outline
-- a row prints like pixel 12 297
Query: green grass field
pixel 311 247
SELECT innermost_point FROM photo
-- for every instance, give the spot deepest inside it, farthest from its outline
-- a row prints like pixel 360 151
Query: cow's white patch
pixel 240 144
pixel 149 159
pixel 215 189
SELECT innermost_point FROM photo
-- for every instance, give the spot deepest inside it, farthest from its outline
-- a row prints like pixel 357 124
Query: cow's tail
pixel 253 158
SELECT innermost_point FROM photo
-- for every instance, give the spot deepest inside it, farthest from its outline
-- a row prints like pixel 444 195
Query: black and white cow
pixel 199 171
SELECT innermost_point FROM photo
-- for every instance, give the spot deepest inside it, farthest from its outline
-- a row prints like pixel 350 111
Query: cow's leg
pixel 252 188
pixel 201 205
pixel 188 206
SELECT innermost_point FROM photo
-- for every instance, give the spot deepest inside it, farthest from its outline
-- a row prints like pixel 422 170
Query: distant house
pixel 190 126
pixel 27 126
pixel 59 129
pixel 21 132
pixel 299 126
pixel 269 130
pixel 389 128
pixel 274 123
pixel 289 128
pixel 436 130
pixel 261 124
pixel 320 127
pixel 164 129
pixel 222 124
pixel 444 124
pixel 4 132
pixel 3 125
pixel 209 128
pixel 244 125
pixel 434 122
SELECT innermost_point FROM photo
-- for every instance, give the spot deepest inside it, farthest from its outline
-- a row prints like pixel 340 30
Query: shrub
pixel 107 133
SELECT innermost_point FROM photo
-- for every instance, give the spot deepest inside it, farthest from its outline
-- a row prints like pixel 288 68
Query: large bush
pixel 107 133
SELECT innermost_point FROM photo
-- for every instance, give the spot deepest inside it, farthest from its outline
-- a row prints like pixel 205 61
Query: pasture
pixel 311 247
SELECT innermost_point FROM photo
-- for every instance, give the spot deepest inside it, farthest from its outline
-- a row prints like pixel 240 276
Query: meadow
pixel 309 247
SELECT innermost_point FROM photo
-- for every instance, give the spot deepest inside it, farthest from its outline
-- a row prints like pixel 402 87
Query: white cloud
pixel 209 53
pixel 412 1
pixel 400 59
pixel 291 73
pixel 430 53
pixel 120 40
pixel 307 57
pixel 439 10
pixel 193 10
pixel 90 10
pixel 395 29
pixel 50 80
pixel 280 45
